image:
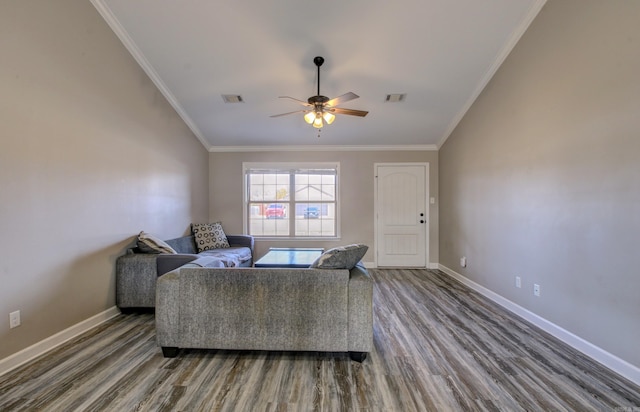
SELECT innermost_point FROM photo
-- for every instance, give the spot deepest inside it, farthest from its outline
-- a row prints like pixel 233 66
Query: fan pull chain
pixel 319 130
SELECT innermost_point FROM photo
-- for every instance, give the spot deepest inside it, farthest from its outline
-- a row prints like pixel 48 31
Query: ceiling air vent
pixel 232 98
pixel 395 98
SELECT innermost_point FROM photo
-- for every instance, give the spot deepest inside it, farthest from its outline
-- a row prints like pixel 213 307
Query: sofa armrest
pixel 166 262
pixel 241 240
pixel 360 310
pixel 168 309
pixel 136 280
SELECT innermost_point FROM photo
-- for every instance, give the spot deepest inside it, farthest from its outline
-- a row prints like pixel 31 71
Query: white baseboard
pixel 596 353
pixel 9 363
pixel 372 265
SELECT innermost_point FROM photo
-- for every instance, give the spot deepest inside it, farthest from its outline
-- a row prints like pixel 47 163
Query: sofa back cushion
pixel 185 244
pixel 262 309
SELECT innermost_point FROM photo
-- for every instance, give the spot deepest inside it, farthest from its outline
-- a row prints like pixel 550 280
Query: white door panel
pixel 401 215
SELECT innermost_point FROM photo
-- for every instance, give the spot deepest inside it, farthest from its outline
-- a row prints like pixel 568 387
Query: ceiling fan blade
pixel 295 100
pixel 285 114
pixel 350 112
pixel 341 99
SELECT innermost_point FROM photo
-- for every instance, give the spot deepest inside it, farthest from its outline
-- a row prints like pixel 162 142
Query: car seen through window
pixel 275 211
pixel 311 213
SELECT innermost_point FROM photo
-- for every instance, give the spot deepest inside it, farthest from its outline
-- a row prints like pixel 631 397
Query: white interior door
pixel 401 215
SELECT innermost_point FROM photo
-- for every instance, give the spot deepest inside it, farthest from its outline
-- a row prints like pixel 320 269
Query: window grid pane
pixel 268 219
pixel 310 212
pixel 315 220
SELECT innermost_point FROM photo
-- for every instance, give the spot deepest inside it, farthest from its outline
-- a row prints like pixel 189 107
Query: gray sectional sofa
pixel 311 309
pixel 136 272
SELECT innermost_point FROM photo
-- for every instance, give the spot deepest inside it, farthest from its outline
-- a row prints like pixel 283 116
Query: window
pixel 291 200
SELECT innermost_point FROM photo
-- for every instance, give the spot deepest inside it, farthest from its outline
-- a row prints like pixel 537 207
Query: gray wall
pixel 356 192
pixel 541 177
pixel 91 154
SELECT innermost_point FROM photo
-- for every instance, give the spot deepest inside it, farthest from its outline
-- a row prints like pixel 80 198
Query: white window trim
pixel 246 166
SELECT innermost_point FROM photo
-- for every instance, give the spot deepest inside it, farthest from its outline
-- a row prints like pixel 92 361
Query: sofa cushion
pixel 205 262
pixel 148 243
pixel 343 257
pixel 209 236
pixel 231 257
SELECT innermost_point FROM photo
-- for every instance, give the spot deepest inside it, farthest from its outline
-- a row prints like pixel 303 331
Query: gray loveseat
pixel 327 310
pixel 136 273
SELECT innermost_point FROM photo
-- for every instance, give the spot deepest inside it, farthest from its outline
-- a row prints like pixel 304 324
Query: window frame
pixel 289 168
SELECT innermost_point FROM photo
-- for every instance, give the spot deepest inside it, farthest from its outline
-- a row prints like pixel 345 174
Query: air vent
pixel 395 98
pixel 232 98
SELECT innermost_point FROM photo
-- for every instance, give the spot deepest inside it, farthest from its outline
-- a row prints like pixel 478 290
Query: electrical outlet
pixel 518 282
pixel 463 261
pixel 14 319
pixel 536 289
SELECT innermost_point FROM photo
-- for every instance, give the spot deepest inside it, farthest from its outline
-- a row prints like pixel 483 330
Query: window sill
pixel 299 239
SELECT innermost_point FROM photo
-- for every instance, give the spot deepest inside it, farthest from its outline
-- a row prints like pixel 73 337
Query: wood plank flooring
pixel 439 346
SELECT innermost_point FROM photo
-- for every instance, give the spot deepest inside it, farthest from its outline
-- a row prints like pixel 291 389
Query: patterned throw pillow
pixel 343 257
pixel 209 236
pixel 150 244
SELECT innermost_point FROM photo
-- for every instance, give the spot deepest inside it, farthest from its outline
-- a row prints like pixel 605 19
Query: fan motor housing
pixel 318 100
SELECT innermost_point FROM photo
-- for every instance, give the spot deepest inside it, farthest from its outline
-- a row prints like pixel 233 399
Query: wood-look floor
pixel 438 347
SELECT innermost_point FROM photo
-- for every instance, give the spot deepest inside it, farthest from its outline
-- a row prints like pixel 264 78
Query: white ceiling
pixel 441 53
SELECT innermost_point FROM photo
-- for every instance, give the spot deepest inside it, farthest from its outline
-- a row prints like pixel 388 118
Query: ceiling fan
pixel 321 109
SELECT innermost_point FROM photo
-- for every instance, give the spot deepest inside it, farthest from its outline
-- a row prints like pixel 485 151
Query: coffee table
pixel 283 257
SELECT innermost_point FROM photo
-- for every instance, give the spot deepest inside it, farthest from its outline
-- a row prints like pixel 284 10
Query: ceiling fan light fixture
pixel 317 122
pixel 310 117
pixel 328 117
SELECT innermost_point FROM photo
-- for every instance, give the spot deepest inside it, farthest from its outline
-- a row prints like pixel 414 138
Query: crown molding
pixel 320 148
pixel 133 49
pixel 491 71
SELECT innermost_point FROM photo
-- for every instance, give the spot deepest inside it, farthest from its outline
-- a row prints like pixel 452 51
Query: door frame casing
pixel 376 207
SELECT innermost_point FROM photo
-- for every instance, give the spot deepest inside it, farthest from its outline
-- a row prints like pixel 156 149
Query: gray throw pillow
pixel 209 236
pixel 343 257
pixel 148 243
